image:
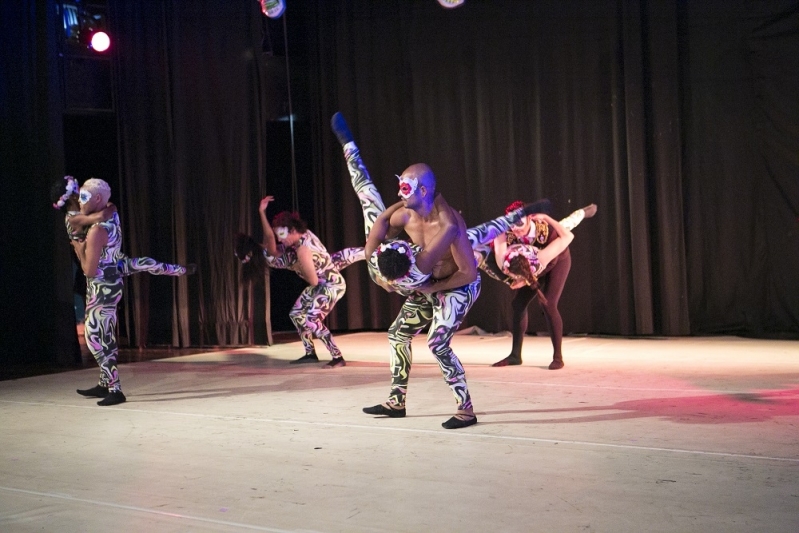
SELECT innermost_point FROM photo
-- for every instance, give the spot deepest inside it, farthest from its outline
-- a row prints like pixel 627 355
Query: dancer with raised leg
pixel 64 194
pixel 99 254
pixel 436 271
pixel 535 253
pixel 397 265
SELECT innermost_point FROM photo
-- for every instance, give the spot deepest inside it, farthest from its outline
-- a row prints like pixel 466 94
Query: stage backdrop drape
pixel 193 160
pixel 678 119
pixel 38 319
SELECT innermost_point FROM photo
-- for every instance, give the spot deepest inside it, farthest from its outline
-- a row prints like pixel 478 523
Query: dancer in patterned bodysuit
pixel 302 251
pixel 64 194
pixel 99 254
pixel 441 301
pixel 480 237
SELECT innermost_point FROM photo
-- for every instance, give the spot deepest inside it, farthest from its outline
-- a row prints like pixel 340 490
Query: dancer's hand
pixel 427 288
pixel 108 212
pixel 265 202
pixel 541 217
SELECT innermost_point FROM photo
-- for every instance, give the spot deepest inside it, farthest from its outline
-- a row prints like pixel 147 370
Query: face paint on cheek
pixel 282 233
pixel 84 197
pixel 407 186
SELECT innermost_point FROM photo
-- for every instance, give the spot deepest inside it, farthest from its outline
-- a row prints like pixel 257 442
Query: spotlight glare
pixel 100 41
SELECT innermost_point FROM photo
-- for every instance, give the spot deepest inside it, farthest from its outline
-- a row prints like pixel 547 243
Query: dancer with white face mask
pixel 291 245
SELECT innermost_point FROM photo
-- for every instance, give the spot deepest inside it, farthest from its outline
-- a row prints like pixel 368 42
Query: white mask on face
pixel 282 233
pixel 84 197
pixel 407 186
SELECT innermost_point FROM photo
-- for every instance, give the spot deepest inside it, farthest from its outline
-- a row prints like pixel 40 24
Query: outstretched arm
pixel 89 251
pixel 79 220
pixel 270 242
pixel 558 244
pixel 384 228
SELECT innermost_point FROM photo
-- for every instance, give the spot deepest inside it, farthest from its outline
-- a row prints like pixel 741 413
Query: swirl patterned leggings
pixel 102 297
pixel 134 265
pixel 309 312
pixel 443 312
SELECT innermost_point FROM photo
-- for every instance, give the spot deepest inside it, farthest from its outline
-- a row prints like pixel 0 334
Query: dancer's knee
pixel 397 337
pixel 297 317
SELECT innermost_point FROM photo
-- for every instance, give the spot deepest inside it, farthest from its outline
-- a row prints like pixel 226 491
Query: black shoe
pixel 381 409
pixel 336 362
pixel 191 268
pixel 541 206
pixel 95 392
pixel 458 423
pixel 113 398
pixel 341 129
pixel 307 358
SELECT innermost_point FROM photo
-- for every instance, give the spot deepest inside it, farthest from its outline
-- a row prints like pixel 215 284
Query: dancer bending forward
pixel 302 251
pixel 439 275
pixel 535 254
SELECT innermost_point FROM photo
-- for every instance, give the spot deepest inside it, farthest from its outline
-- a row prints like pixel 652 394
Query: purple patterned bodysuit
pixel 316 302
pixel 103 293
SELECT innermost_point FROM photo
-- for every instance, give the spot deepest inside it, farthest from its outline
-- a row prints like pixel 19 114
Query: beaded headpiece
pixel 398 246
pixel 72 187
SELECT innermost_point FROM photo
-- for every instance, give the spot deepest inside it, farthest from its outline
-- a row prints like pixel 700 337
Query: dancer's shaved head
pixel 423 173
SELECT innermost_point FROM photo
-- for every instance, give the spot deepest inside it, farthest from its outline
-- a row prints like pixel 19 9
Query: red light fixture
pixel 100 41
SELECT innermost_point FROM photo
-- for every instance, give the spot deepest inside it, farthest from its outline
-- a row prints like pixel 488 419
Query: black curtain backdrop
pixel 679 119
pixel 192 123
pixel 38 321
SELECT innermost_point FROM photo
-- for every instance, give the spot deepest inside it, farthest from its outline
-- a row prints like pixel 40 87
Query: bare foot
pixel 510 360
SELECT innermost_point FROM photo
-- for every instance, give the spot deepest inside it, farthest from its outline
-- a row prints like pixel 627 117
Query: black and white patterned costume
pixel 103 293
pixel 133 265
pixel 316 302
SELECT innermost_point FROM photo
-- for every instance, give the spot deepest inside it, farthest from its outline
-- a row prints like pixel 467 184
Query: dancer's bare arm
pixel 440 243
pixel 388 225
pixel 89 250
pixel 557 245
pixel 466 273
pixel 78 220
pixel 463 256
pixel 270 242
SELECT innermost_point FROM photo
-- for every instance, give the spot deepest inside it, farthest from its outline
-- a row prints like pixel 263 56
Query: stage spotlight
pixel 85 26
pixel 100 41
pixel 450 3
pixel 272 8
